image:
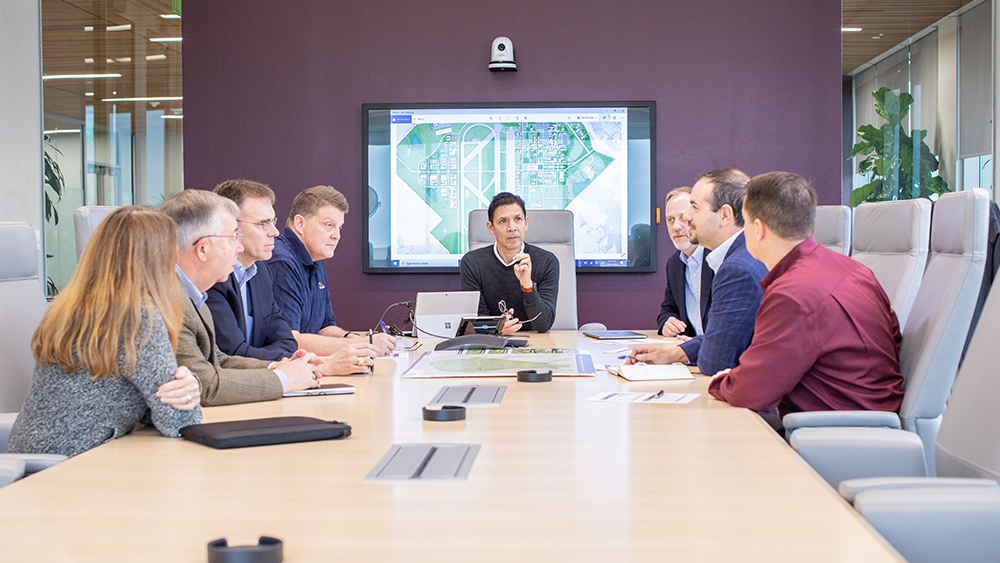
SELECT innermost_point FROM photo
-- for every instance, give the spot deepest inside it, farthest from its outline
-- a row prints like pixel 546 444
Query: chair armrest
pixel 852 487
pixel 936 524
pixel 839 454
pixel 33 463
pixel 857 419
pixel 6 423
pixel 11 469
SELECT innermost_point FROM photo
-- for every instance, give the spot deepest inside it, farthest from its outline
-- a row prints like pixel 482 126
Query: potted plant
pixel 898 166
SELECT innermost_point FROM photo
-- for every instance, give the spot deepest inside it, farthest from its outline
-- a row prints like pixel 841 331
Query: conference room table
pixel 558 478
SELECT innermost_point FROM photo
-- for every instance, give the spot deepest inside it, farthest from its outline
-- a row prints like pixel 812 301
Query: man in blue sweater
pixel 716 220
pixel 513 278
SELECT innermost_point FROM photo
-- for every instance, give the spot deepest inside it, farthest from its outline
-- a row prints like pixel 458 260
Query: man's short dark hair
pixel 784 202
pixel 240 190
pixel 505 198
pixel 729 187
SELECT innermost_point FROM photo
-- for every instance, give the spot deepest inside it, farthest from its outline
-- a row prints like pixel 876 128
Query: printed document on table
pixel 616 397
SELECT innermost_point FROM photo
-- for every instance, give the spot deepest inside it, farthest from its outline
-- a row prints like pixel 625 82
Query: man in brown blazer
pixel 208 243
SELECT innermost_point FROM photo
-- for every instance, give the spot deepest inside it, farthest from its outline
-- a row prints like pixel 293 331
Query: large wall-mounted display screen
pixel 426 166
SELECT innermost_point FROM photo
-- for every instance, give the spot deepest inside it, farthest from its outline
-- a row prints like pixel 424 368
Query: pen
pixel 628 358
pixel 656 396
pixel 385 329
pixel 371 368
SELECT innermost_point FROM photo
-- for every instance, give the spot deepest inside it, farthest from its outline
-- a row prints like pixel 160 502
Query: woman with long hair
pixel 107 343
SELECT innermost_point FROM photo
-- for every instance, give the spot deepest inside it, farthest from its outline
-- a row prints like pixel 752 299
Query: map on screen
pixel 427 166
pixel 447 163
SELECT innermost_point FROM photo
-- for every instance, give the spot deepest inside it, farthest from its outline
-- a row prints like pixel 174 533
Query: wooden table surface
pixel 558 479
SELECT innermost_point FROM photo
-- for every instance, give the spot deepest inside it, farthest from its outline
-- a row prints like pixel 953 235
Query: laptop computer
pixel 438 313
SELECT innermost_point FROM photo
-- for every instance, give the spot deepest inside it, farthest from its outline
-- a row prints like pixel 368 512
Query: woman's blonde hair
pixel 128 265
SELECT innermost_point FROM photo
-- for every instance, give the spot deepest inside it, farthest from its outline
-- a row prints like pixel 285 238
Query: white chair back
pixel 892 238
pixel 833 228
pixel 85 221
pixel 22 305
pixel 938 325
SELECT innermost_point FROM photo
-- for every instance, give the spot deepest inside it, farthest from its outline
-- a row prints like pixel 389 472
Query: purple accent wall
pixel 273 92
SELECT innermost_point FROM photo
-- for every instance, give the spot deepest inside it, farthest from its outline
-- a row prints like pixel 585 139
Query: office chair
pixel 891 238
pixel 553 231
pixel 833 228
pixel 933 339
pixel 954 517
pixel 22 305
pixel 85 220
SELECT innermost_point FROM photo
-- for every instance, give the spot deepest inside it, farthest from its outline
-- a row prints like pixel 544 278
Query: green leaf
pixel 862 148
pixel 861 194
pixel 905 158
pixel 905 99
pixel 872 135
pixel 867 165
pixel 887 105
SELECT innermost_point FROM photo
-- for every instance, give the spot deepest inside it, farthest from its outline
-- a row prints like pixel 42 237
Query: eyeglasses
pixel 264 225
pixel 503 310
pixel 237 236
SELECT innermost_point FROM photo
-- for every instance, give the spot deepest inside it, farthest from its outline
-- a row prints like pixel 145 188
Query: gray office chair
pixel 954 517
pixel 85 221
pixel 891 238
pixel 932 345
pixel 833 228
pixel 22 305
pixel 553 231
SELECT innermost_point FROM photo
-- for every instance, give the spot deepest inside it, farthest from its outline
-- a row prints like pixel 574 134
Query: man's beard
pixel 684 245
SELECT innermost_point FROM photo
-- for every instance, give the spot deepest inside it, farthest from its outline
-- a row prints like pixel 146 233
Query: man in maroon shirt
pixel 825 337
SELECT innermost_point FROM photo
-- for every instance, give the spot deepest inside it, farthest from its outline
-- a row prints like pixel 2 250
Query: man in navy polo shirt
pixel 310 236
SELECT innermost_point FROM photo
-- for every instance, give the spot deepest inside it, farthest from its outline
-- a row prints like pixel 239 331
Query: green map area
pixel 458 167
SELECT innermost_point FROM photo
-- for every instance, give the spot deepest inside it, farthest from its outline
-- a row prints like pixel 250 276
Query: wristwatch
pixel 533 287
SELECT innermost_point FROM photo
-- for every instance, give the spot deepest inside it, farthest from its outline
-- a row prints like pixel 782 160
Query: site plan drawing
pixel 446 165
pixel 502 362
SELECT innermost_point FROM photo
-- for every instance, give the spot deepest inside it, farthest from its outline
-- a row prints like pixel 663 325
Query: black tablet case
pixel 265 431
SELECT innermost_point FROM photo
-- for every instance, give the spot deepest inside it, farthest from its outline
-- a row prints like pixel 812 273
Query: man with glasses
pixel 248 321
pixel 208 242
pixel 311 235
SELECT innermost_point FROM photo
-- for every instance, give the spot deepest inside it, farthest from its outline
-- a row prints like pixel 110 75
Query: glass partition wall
pixel 947 69
pixel 113 113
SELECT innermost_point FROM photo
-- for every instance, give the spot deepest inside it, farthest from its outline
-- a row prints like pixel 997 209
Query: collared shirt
pixel 692 287
pixel 300 286
pixel 716 256
pixel 199 297
pixel 244 275
pixel 496 252
pixel 825 339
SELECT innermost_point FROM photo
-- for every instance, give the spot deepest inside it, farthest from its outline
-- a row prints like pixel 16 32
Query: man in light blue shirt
pixel 686 300
pixel 208 243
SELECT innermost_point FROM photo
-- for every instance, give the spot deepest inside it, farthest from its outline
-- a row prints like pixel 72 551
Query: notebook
pixel 437 314
pixel 649 372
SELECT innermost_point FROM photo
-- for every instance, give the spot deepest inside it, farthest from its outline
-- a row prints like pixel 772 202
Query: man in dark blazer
pixel 716 220
pixel 689 282
pixel 248 321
